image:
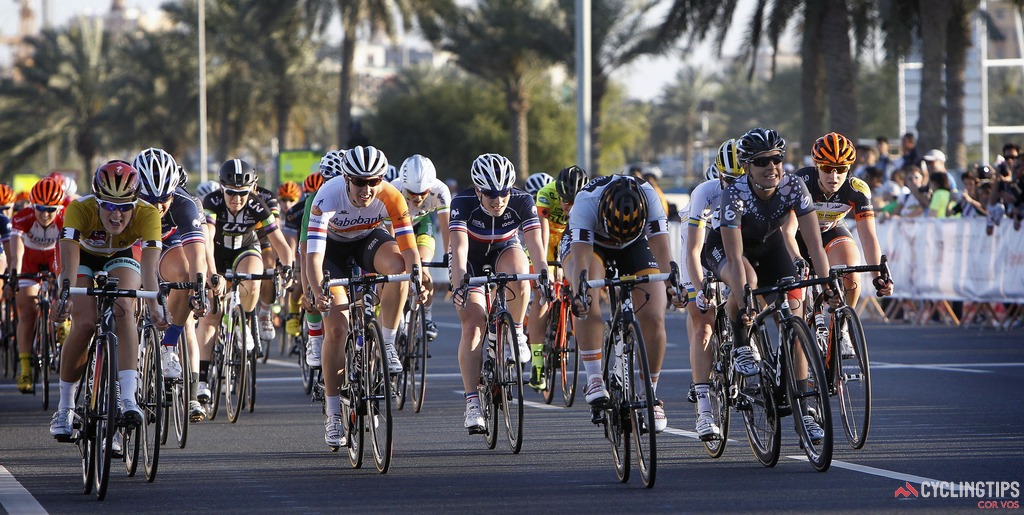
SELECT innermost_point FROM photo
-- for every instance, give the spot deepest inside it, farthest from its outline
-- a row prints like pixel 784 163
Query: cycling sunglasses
pixel 420 194
pixel 830 169
pixel 495 193
pixel 117 206
pixel 766 160
pixel 156 200
pixel 46 209
pixel 362 183
pixel 236 193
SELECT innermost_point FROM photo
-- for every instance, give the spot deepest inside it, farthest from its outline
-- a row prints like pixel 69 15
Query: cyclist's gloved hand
pixel 460 295
pixel 883 288
pixel 698 297
pixel 677 298
pixel 58 316
pixel 580 308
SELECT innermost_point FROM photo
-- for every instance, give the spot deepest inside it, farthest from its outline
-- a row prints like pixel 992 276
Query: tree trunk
pixel 348 57
pixel 518 102
pixel 840 71
pixel 85 147
pixel 812 77
pixel 598 88
pixel 284 111
pixel 956 63
pixel 935 16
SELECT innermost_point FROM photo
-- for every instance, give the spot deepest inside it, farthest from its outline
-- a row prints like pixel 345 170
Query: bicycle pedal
pixel 478 430
pixel 783 410
pixel 597 416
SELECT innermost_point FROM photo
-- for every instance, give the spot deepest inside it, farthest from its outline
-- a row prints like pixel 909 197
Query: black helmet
pixel 570 181
pixel 757 141
pixel 236 173
pixel 622 211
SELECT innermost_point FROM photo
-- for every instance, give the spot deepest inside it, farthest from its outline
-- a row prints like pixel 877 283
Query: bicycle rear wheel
pixel 181 393
pixel 418 361
pixel 757 403
pixel 616 411
pixel 490 399
pixel 378 398
pixel 308 374
pixel 252 356
pixel 812 399
pixel 152 399
pixel 568 357
pixel 85 424
pixel 106 417
pixel 853 378
pixel 400 382
pixel 641 396
pixel 41 357
pixel 510 378
pixel 215 378
pixel 550 352
pixel 235 365
pixel 353 407
pixel 719 384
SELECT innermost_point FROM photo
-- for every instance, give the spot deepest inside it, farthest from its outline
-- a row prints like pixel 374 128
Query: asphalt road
pixel 947 407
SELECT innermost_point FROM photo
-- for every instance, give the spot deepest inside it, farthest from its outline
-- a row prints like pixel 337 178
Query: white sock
pixel 703 400
pixel 128 380
pixel 591 362
pixel 67 395
pixel 654 383
pixel 388 334
pixel 428 312
pixel 333 405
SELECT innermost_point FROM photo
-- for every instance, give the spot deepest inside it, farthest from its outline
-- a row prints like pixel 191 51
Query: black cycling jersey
pixel 758 219
pixel 183 221
pixel 853 196
pixel 487 232
pixel 270 199
pixel 234 231
pixel 293 218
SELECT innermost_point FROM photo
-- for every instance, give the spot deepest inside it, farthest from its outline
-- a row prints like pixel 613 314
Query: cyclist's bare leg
pixel 843 251
pixel 426 254
pixel 267 285
pixel 249 291
pixel 474 319
pixel 698 327
pixel 26 303
pixel 513 261
pixel 590 331
pixel 124 320
pixel 650 300
pixel 335 334
pixel 83 323
pixel 388 260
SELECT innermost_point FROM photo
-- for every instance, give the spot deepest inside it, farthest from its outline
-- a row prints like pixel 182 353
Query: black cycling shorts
pixel 770 259
pixel 337 253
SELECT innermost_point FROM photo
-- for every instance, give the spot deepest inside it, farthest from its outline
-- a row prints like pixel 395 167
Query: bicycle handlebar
pixel 368 279
pixel 500 277
pixel 113 292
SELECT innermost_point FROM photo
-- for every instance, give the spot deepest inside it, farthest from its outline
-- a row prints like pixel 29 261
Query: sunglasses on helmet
pixel 766 160
pixel 117 206
pixel 362 183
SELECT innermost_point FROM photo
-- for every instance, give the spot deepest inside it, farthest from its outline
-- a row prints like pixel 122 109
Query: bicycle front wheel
pixel 41 360
pixel 616 411
pixel 235 365
pixel 757 403
pixel 808 397
pixel 215 378
pixel 853 377
pixel 510 378
pixel 642 401
pixel 377 385
pixel 151 401
pixel 106 416
pixel 719 384
pixel 250 364
pixel 353 407
pixel 85 424
pixel 568 356
pixel 181 393
pixel 417 363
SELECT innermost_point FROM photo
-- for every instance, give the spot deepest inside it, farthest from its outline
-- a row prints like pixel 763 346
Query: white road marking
pixel 14 497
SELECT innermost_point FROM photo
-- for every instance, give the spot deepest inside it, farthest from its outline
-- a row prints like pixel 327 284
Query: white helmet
pixel 492 172
pixel 417 173
pixel 364 162
pixel 206 188
pixel 711 173
pixel 537 181
pixel 391 174
pixel 330 164
pixel 158 173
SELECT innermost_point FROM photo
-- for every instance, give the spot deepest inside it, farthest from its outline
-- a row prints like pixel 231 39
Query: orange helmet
pixel 6 195
pixel 834 149
pixel 289 190
pixel 22 196
pixel 312 182
pixel 48 192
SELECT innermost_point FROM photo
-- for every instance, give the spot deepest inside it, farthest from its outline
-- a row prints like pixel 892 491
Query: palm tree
pixel 510 43
pixel 678 112
pixel 64 95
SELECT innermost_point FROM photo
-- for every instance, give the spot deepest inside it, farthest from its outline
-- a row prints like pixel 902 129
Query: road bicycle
pixel 848 369
pixel 366 387
pixel 45 347
pixel 8 337
pixel 629 412
pixel 561 356
pixel 179 391
pixel 96 414
pixel 724 385
pixel 152 399
pixel 501 374
pixel 779 390
pixel 413 348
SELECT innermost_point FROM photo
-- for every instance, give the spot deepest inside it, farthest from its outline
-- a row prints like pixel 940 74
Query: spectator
pixel 885 161
pixel 939 195
pixel 971 204
pixel 891 194
pixel 908 148
pixel 935 161
pixel 911 205
pixel 866 157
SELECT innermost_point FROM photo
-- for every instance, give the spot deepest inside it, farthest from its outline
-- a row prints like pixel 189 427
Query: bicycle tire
pixel 510 382
pixel 569 358
pixel 400 382
pixel 795 334
pixel 9 345
pixel 550 352
pixel 235 363
pixel 420 352
pixel 489 396
pixel 853 378
pixel 308 373
pixel 181 393
pixel 354 411
pixel 215 378
pixel 84 422
pixel 251 358
pixel 719 384
pixel 41 357
pixel 760 413
pixel 616 417
pixel 377 383
pixel 153 401
pixel 106 418
pixel 643 401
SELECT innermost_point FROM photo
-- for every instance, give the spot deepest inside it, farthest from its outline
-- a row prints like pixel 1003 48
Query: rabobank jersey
pixel 484 230
pixel 333 216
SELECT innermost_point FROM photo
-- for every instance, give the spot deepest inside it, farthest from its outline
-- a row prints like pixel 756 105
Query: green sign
pixel 295 165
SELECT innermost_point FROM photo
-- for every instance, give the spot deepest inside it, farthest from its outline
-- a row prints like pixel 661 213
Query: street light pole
pixel 583 99
pixel 203 160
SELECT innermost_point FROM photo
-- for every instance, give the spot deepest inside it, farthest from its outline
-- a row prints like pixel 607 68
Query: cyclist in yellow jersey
pixel 99 232
pixel 554 200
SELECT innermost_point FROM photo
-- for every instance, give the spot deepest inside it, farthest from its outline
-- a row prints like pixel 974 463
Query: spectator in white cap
pixel 935 161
